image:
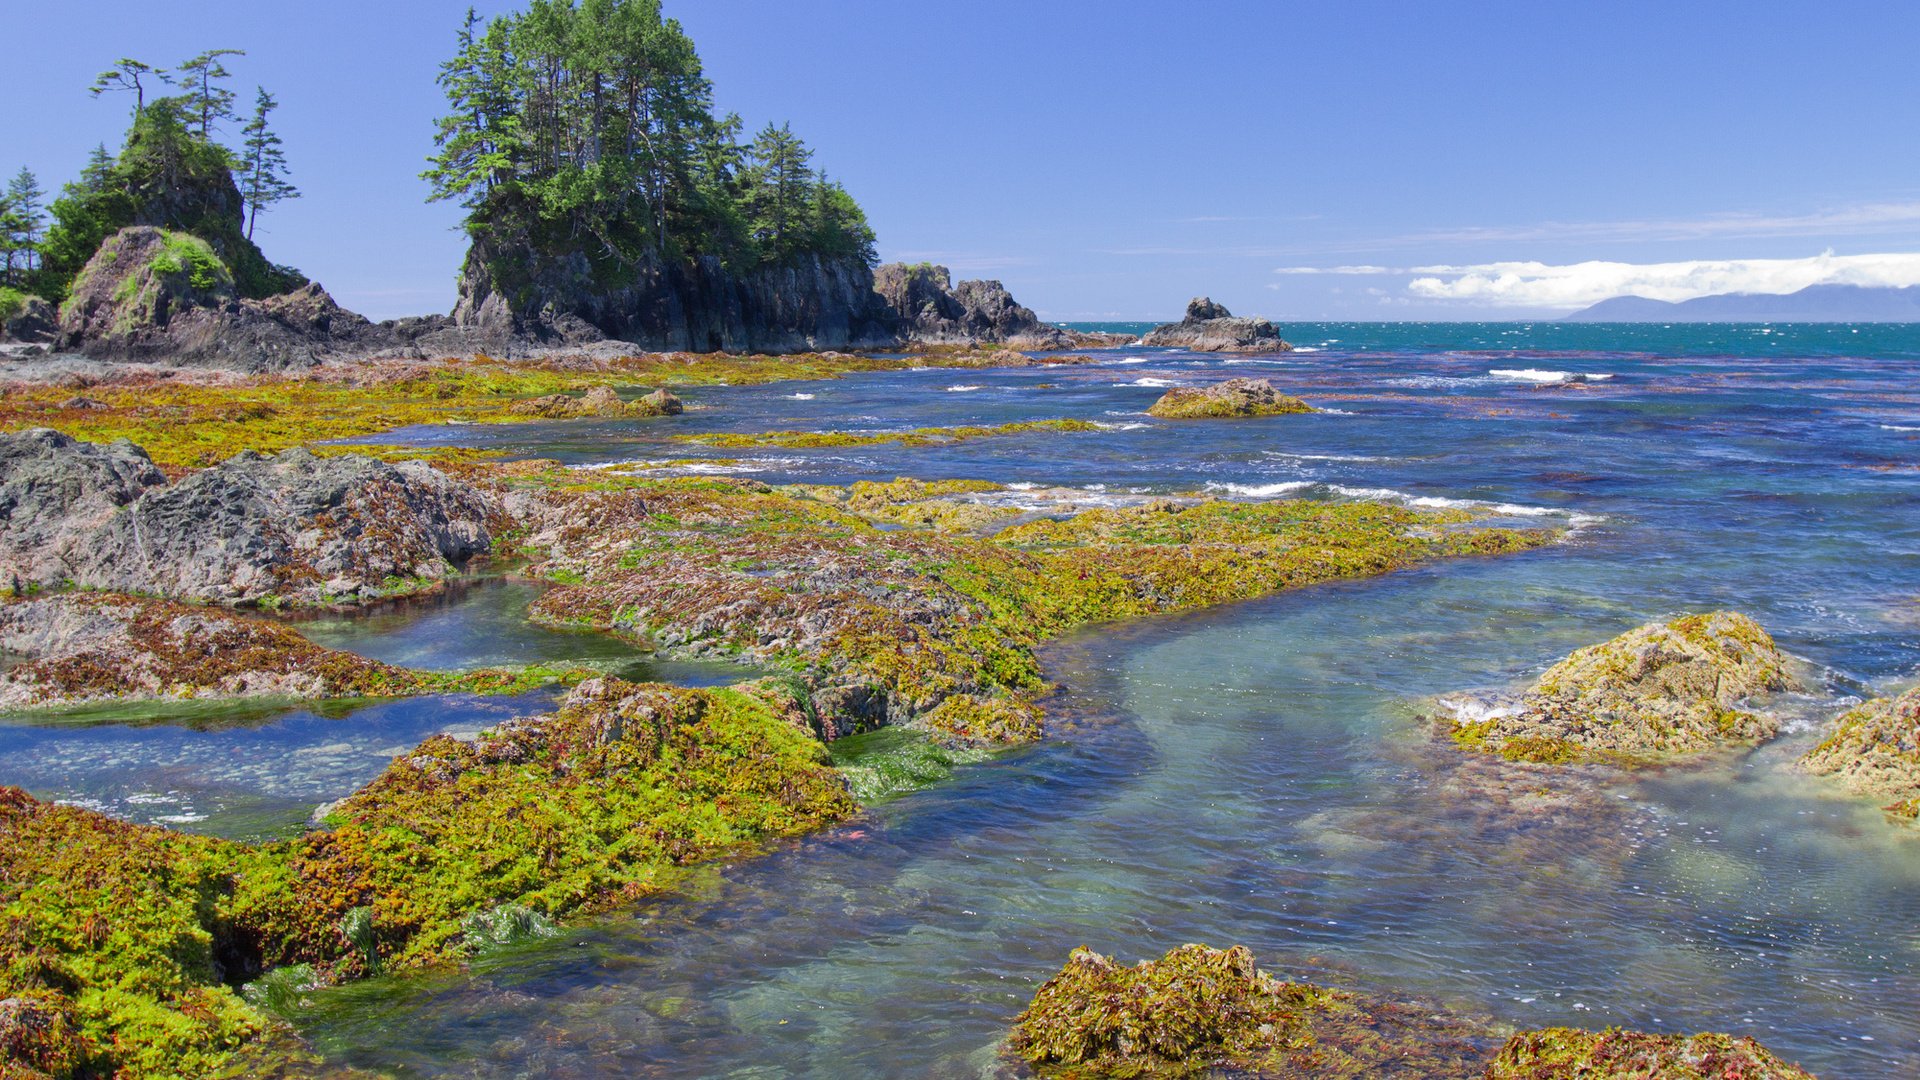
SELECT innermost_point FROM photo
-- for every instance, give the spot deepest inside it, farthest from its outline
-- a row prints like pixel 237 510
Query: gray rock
pixel 1210 327
pixel 296 527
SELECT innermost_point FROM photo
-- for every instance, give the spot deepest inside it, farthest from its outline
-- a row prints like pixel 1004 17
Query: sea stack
pixel 1210 327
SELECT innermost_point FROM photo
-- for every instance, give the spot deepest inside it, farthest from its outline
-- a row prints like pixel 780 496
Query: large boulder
pixel 27 319
pixel 1232 398
pixel 600 401
pixel 1210 327
pixel 1662 690
pixel 296 528
pixel 1874 750
pixel 155 295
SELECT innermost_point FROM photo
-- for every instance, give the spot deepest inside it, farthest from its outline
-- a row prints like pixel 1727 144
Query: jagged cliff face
pixel 695 306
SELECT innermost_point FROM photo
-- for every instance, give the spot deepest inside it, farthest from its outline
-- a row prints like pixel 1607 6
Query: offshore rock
pixel 292 528
pixel 934 311
pixel 511 297
pixel 1232 398
pixel 1662 690
pixel 77 648
pixel 1210 327
pixel 1875 751
pixel 150 295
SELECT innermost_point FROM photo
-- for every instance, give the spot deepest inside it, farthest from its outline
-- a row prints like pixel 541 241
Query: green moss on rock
pixel 1232 398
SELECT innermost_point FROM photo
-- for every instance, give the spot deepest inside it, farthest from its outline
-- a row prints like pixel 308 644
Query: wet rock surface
pixel 1874 751
pixel 600 401
pixel 1232 398
pixel 1663 690
pixel 295 528
pixel 1210 327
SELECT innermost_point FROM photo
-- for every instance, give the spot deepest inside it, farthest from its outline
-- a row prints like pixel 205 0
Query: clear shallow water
pixel 1255 774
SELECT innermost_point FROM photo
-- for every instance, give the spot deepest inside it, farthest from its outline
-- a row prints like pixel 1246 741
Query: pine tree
pixel 780 185
pixel 264 164
pixel 129 74
pixel 21 220
pixel 99 166
pixel 208 101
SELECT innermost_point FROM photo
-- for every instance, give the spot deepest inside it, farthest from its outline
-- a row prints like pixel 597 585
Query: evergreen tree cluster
pixel 172 171
pixel 587 125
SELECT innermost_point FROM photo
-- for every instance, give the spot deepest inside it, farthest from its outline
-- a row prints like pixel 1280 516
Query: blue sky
pixel 1111 159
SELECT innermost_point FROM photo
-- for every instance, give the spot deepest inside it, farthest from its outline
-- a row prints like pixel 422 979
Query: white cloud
pixel 1576 285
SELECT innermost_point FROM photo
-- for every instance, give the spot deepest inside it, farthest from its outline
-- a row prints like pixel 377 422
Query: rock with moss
pixel 155 295
pixel 1198 1010
pixel 1661 691
pixel 1874 751
pixel 26 318
pixel 85 648
pixel 1210 327
pixel 296 528
pixel 1565 1053
pixel 1232 398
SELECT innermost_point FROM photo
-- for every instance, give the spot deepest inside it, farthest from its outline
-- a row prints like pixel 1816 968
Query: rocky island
pixel 1211 328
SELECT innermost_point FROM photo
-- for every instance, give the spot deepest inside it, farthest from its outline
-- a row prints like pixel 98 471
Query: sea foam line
pixel 1425 502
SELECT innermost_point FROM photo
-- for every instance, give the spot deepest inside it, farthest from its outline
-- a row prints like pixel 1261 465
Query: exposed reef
pixel 1200 1010
pixel 1210 327
pixel 290 529
pixel 1232 398
pixel 1874 751
pixel 601 401
pixel 1657 692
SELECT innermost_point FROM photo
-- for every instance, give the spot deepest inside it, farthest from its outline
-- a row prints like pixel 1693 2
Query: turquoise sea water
pixel 1253 774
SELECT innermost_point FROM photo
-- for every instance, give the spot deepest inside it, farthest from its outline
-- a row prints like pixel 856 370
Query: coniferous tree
pixel 263 180
pixel 21 220
pixel 208 101
pixel 779 189
pixel 129 74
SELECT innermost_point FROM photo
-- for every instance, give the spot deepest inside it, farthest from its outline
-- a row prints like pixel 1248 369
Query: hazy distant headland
pixel 1815 303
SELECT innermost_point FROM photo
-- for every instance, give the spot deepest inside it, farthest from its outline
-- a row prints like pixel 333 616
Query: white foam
pixel 1305 348
pixel 1321 457
pixel 1023 485
pixel 1263 491
pixel 1897 427
pixel 1148 380
pixel 1424 502
pixel 1133 425
pixel 1545 377
pixel 1327 410
pixel 799 397
pixel 963 389
pixel 1471 708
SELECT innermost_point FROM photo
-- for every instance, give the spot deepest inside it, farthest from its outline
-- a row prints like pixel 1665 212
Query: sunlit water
pixel 1256 774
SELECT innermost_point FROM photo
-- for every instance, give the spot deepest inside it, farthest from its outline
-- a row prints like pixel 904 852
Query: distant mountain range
pixel 1815 303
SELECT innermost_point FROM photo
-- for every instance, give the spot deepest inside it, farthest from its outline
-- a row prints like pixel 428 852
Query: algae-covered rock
pixel 1199 1008
pixel 80 648
pixel 1569 1053
pixel 586 807
pixel 1874 750
pixel 296 528
pixel 111 961
pixel 600 401
pixel 1210 327
pixel 1234 397
pixel 1661 690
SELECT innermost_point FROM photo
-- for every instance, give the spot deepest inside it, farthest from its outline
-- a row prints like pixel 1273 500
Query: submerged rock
pixel 1627 1055
pixel 1232 398
pixel 1874 750
pixel 296 528
pixel 81 648
pixel 1210 327
pixel 1661 690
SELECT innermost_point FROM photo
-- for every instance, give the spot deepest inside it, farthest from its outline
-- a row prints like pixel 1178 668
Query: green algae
pixel 891 762
pixel 1874 751
pixel 1613 1054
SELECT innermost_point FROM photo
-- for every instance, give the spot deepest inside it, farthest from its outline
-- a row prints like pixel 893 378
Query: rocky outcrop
pixel 699 305
pixel 152 295
pixel 1232 398
pixel 295 528
pixel 1662 690
pixel 1874 751
pixel 1199 1010
pixel 27 320
pixel 81 648
pixel 934 311
pixel 601 401
pixel 1210 327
